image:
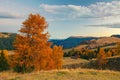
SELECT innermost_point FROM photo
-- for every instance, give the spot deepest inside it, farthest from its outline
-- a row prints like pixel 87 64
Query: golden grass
pixel 68 61
pixel 64 74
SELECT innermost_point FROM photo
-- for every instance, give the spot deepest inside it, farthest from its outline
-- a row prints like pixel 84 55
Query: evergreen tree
pixel 3 62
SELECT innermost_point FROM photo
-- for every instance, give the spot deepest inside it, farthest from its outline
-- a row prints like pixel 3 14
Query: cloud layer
pixel 101 10
pixel 114 25
pixel 13 10
pixel 10 15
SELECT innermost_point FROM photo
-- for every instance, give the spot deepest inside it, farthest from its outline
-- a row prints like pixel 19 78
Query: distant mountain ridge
pixel 7 39
pixel 71 42
pixel 86 42
pixel 116 35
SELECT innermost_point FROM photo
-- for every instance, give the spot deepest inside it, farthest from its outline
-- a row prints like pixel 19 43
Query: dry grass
pixel 68 61
pixel 71 74
pixel 64 74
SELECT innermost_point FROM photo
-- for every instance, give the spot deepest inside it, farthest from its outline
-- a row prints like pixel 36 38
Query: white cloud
pixel 102 9
pixel 112 25
pixel 52 8
pixel 69 11
pixel 10 9
pixel 10 15
pixel 99 10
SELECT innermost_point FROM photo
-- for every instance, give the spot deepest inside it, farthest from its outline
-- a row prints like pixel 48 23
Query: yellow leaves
pixel 5 52
pixel 109 54
pixel 102 54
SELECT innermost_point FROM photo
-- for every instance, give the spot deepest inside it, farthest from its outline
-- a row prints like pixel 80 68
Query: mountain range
pixel 6 40
pixel 71 42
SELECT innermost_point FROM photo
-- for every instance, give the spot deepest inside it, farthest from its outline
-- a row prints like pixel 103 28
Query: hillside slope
pixel 100 42
pixel 112 64
pixel 72 41
pixel 6 40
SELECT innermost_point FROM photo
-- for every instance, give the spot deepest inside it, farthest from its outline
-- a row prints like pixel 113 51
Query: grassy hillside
pixel 100 42
pixel 71 74
pixel 69 61
pixel 113 63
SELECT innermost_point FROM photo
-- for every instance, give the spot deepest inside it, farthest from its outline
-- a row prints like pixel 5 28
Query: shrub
pixel 3 62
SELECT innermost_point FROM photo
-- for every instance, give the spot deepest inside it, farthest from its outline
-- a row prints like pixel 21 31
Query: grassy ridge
pixel 71 74
pixel 113 63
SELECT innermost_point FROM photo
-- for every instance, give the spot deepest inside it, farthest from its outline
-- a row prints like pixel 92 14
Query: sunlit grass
pixel 68 61
pixel 64 74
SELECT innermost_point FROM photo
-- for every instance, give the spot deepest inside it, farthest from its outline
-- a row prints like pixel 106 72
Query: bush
pixel 72 53
pixel 23 69
pixel 3 62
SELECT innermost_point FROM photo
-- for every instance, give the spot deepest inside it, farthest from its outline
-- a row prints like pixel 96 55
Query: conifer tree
pixel 3 62
pixel 33 51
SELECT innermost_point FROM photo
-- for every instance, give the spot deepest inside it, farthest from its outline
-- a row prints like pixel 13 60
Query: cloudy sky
pixel 65 17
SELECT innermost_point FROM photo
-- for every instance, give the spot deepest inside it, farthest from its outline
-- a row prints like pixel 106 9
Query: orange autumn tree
pixel 117 49
pixel 33 51
pixel 101 58
pixel 57 57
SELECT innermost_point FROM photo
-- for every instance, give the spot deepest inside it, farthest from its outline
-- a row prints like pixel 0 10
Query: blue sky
pixel 65 17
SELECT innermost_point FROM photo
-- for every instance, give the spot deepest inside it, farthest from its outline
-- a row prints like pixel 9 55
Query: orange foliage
pixel 57 56
pixel 109 54
pixel 32 46
pixel 5 52
pixel 101 58
pixel 118 49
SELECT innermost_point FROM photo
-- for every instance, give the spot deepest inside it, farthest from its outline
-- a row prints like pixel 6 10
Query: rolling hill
pixel 6 40
pixel 71 42
pixel 100 42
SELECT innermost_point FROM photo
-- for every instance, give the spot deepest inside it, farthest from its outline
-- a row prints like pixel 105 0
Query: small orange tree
pixel 117 49
pixel 101 58
pixel 57 57
pixel 33 51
